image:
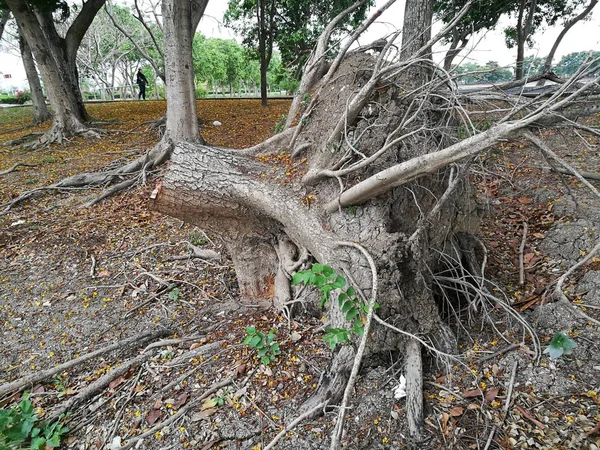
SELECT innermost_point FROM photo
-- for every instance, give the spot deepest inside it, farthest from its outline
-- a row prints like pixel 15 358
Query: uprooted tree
pixel 370 178
pixel 373 185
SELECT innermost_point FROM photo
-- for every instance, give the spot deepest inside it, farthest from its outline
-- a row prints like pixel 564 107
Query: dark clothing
pixel 141 81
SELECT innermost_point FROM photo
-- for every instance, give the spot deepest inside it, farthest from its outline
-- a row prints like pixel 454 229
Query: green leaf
pixel 38 443
pixel 347 307
pixel 351 314
pixel 265 360
pixel 251 330
pixel 351 292
pixel 263 351
pixel 317 268
pixel 270 337
pixel 247 340
pixel 340 281
pixel 301 277
pixel 327 270
pixel 255 341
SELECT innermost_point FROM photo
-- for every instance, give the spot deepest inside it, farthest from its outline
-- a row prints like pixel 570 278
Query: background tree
pixel 294 25
pixel 482 15
pixel 569 64
pixel 56 57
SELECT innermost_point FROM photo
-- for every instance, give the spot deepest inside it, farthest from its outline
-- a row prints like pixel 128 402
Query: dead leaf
pixel 157 404
pixel 103 274
pixel 524 200
pixel 539 235
pixel 457 411
pixel 472 393
pixel 491 394
pixel 527 257
pixel 153 416
pixel 208 404
pixel 445 418
pixel 239 370
pixel 527 415
pixel 594 430
pixel 201 415
pixel 296 336
pixel 113 384
pixel 181 400
pixel 196 345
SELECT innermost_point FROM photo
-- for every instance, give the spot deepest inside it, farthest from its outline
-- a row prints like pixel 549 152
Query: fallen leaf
pixel 181 400
pixel 103 274
pixel 491 394
pixel 527 415
pixel 296 336
pixel 524 200
pixel 539 235
pixel 239 370
pixel 208 404
pixel 201 415
pixel 594 430
pixel 196 345
pixel 113 384
pixel 457 411
pixel 472 393
pixel 153 416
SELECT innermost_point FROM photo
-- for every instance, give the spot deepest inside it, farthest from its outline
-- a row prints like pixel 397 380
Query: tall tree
pixel 40 109
pixel 56 57
pixel 294 25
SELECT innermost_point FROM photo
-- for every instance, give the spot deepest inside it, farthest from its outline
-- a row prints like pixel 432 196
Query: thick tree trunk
pixel 416 32
pixel 40 110
pixel 56 59
pixel 182 116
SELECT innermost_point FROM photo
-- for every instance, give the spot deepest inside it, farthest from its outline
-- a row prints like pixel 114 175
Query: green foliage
pixel 21 428
pixel 569 64
pixel 174 293
pixel 560 345
pixel 280 124
pixel 197 238
pixel 326 280
pixel 266 346
pixel 294 26
pixel 19 99
pixel 491 72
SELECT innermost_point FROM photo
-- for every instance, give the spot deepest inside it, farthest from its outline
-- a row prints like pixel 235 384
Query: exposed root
pixel 22 139
pixel 182 411
pixel 14 167
pixel 58 134
pixel 414 389
pixel 135 172
pixel 34 378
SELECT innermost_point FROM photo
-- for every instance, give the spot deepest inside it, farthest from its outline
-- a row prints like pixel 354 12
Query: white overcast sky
pixel 486 47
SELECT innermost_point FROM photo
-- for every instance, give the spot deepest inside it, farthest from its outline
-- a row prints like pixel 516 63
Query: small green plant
pixel 267 347
pixel 49 159
pixel 280 124
pixel 197 238
pixel 559 345
pixel 60 383
pixel 31 181
pixel 20 428
pixel 174 293
pixel 326 280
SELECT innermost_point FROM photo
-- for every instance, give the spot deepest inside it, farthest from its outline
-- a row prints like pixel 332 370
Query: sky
pixel 484 47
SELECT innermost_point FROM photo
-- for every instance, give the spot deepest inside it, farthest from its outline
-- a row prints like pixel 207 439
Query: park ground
pixel 76 279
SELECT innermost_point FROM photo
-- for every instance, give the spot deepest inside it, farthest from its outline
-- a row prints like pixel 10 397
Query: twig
pixel 499 352
pixel 39 376
pixel 337 433
pixel 558 290
pixel 521 250
pixel 506 404
pixel 295 422
pixel 98 385
pixel 93 268
pixel 215 387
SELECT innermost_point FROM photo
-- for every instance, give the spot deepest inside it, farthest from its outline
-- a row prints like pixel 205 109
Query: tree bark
pixel 4 17
pixel 40 110
pixel 182 116
pixel 416 32
pixel 56 59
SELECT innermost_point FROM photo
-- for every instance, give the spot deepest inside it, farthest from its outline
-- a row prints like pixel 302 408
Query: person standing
pixel 141 81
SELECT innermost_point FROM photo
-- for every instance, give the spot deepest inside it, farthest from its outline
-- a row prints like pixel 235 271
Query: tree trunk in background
pixel 416 32
pixel 4 17
pixel 524 24
pixel 40 110
pixel 182 117
pixel 56 60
